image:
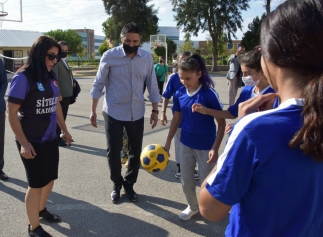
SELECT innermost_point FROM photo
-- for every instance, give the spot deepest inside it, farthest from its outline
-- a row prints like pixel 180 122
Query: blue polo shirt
pixel 198 130
pixel 246 94
pixel 274 190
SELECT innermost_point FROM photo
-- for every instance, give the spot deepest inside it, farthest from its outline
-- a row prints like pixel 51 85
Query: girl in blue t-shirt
pixel 270 175
pixel 255 81
pixel 199 141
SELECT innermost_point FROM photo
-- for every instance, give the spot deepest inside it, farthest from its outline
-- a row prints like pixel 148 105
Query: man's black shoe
pixel 131 194
pixel 115 195
pixel 3 176
pixel 61 143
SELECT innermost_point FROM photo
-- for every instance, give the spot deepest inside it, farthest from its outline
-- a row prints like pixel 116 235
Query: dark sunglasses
pixel 51 57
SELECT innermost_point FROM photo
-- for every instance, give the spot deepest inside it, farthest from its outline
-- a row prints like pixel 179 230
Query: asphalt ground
pixel 81 195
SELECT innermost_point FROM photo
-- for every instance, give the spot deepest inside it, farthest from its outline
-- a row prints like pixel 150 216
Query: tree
pixel 251 38
pixel 103 47
pixel 171 49
pixel 72 38
pixel 216 16
pixel 125 11
pixel 188 44
pixel 267 6
pixel 81 52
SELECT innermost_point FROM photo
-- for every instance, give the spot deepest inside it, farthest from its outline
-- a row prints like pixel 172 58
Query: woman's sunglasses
pixel 51 57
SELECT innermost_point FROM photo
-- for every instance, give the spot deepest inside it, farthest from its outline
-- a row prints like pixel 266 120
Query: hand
pixel 27 151
pixel 163 118
pixel 260 103
pixel 153 119
pixel 93 119
pixel 228 128
pixel 213 156
pixel 167 148
pixel 199 108
pixel 67 137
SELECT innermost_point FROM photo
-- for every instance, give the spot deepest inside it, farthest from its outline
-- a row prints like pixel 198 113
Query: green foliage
pixel 72 38
pixel 171 49
pixel 188 44
pixel 216 16
pixel 251 38
pixel 103 47
pixel 81 51
pixel 125 11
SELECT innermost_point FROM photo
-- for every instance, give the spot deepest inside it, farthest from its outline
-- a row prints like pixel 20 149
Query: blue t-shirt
pixel 246 94
pixel 274 190
pixel 38 101
pixel 173 85
pixel 198 130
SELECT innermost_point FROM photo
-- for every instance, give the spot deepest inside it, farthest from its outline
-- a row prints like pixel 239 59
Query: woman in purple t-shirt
pixel 33 114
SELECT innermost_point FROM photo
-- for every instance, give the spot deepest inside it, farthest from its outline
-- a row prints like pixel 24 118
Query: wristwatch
pixel 155 111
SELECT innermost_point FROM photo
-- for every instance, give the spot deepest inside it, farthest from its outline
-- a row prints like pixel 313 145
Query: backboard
pixel 11 10
pixel 157 40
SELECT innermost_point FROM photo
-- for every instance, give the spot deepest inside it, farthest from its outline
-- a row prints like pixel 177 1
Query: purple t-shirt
pixel 37 112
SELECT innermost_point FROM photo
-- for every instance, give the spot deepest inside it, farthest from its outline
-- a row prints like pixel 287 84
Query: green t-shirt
pixel 161 70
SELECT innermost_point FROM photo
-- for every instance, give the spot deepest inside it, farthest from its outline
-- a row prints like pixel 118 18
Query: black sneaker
pixel 49 217
pixel 38 232
pixel 178 173
pixel 131 194
pixel 115 195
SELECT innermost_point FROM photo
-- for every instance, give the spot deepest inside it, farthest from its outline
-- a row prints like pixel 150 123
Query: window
pixel 229 46
pixel 238 45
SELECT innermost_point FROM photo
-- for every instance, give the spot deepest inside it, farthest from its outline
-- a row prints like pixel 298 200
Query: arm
pixel 210 208
pixel 27 151
pixel 93 116
pixel 173 128
pixel 225 114
pixel 163 118
pixel 56 70
pixel 3 80
pixel 61 123
pixel 214 152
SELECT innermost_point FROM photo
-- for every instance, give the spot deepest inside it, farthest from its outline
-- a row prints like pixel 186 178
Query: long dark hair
pixel 291 38
pixel 36 64
pixel 195 63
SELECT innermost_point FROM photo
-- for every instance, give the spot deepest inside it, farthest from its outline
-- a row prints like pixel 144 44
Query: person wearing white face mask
pixel 255 84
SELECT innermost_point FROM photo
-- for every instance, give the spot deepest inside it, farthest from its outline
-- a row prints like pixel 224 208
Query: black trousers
pixel 161 86
pixel 64 104
pixel 114 134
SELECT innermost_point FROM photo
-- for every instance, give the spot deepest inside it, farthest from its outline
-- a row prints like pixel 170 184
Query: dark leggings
pixel 161 87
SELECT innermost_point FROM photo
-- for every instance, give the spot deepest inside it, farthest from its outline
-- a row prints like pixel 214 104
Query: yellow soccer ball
pixel 154 158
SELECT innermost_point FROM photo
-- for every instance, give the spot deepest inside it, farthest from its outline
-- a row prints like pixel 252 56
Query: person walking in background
pixel 33 114
pixel 161 70
pixel 270 174
pixel 122 72
pixel 199 140
pixel 65 84
pixel 234 74
pixel 3 88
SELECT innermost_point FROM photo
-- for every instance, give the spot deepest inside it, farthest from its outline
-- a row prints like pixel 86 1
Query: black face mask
pixel 129 49
pixel 63 54
pixel 161 61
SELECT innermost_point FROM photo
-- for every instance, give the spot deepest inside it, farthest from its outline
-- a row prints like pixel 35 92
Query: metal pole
pixel 166 54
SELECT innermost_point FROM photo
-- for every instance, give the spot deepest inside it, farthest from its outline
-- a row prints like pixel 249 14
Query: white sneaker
pixel 187 214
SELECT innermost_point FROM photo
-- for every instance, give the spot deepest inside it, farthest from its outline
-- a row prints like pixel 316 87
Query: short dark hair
pixel 62 42
pixel 130 28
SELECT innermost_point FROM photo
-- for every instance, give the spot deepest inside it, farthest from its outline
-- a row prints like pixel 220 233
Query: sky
pixel 46 15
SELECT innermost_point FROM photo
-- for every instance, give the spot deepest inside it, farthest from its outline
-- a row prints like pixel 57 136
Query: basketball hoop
pixel 2 13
